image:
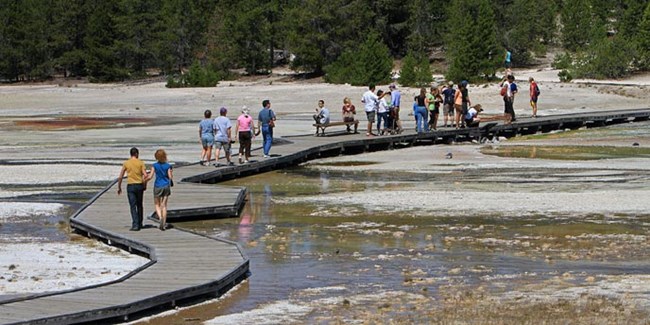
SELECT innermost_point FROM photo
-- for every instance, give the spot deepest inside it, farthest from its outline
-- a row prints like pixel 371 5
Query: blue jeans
pixel 380 117
pixel 267 136
pixel 421 118
pixel 135 193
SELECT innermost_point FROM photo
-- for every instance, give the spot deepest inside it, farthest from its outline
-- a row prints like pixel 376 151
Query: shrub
pixel 606 58
pixel 369 64
pixel 416 71
pixel 197 76
pixel 565 75
pixel 562 61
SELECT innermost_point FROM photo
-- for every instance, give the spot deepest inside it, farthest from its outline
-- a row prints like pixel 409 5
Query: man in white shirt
pixel 371 104
pixel 322 116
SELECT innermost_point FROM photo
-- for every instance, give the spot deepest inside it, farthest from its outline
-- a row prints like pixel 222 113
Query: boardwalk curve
pixel 187 265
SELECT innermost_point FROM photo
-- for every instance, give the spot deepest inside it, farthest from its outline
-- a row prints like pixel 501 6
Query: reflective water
pixel 304 253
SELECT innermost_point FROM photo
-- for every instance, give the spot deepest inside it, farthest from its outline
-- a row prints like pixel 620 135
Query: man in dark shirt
pixel 266 120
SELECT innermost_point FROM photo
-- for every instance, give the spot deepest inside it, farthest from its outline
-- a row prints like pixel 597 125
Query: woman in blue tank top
pixel 162 186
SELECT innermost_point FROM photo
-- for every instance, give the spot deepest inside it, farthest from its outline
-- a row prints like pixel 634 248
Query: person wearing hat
pixel 395 99
pixel 448 93
pixel 222 139
pixel 244 132
pixel 471 118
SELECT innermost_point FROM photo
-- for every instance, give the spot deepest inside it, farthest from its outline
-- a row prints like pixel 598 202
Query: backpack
pixel 537 92
pixel 449 95
pixel 504 90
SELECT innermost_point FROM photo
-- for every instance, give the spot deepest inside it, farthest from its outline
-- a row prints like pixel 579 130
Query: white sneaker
pixel 266 156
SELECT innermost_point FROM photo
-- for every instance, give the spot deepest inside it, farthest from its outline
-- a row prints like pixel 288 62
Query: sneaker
pixel 246 161
pixel 266 156
pixel 230 163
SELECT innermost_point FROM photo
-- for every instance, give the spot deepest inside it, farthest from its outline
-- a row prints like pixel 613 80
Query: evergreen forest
pixel 199 42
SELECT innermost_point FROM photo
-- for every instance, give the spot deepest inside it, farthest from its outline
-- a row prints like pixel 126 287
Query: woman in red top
pixel 534 95
pixel 348 113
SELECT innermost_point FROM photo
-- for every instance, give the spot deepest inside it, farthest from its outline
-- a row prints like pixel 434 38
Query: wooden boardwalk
pixel 186 265
pixel 309 147
pixel 183 265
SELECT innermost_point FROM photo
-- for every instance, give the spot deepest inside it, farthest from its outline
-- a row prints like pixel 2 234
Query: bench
pixel 320 128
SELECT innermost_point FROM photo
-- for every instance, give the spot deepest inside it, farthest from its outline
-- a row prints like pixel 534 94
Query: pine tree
pixel 577 18
pixel 643 39
pixel 531 26
pixel 136 23
pixel 103 60
pixel 472 47
pixel 371 63
pixel 416 71
pixel 70 21
pixel 319 31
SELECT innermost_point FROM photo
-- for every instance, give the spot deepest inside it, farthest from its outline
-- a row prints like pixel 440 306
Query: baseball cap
pixel 223 110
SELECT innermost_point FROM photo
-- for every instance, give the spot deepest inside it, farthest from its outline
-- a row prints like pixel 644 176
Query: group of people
pixel 376 106
pixel 212 132
pixel 218 133
pixel 455 106
pixel 509 90
pixel 137 179
pixel 456 109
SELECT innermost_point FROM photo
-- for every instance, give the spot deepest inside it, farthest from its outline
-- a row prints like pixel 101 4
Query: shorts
pixel 207 140
pixel 371 116
pixel 162 191
pixel 533 100
pixel 464 108
pixel 448 109
pixel 225 145
pixel 434 111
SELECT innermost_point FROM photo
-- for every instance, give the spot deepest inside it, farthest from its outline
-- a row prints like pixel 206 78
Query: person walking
pixel 136 185
pixel 206 137
pixel 534 95
pixel 508 59
pixel 162 186
pixel 421 115
pixel 244 132
pixel 266 121
pixel 223 136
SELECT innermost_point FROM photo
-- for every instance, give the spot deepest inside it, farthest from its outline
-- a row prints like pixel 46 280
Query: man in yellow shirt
pixel 136 185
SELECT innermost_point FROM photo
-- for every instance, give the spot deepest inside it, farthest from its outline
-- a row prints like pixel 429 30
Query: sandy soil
pixel 42 267
pixel 293 102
